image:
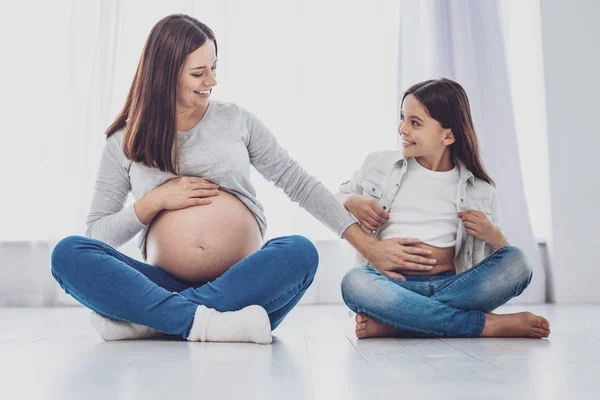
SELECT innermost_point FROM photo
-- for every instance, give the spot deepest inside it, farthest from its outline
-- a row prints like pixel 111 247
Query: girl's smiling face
pixel 422 136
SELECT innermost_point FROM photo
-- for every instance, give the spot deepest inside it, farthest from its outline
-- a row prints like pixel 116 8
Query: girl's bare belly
pixel 444 260
pixel 198 244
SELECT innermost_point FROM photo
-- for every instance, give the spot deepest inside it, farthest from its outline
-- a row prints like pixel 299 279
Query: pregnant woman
pixel 186 160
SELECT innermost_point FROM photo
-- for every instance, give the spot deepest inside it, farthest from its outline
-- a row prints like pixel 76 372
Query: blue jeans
pixel 122 288
pixel 443 305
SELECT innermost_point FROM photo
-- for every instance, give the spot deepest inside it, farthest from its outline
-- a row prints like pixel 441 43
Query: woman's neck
pixel 187 118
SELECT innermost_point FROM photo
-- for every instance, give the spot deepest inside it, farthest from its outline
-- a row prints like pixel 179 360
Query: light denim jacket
pixel 379 179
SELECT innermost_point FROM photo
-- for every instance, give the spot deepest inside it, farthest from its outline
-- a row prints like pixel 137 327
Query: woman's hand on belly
pixel 444 260
pixel 185 191
pixel 396 256
pixel 175 194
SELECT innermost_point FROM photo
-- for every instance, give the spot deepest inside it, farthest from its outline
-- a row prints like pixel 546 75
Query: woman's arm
pixel 276 165
pixel 108 220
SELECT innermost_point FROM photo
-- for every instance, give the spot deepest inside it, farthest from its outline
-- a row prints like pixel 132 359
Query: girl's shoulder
pixel 481 189
pixel 382 159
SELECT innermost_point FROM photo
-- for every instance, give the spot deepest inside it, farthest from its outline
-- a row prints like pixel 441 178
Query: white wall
pixel 570 37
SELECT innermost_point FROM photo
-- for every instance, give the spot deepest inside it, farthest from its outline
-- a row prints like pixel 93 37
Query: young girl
pixel 437 190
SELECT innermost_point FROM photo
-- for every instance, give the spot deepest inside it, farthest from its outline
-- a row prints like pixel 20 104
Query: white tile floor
pixel 55 354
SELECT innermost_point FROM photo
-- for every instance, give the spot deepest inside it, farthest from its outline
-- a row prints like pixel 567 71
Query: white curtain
pixel 322 75
pixel 462 40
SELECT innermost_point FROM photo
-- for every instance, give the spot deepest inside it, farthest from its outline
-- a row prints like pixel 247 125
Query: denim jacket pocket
pixel 481 204
pixel 370 189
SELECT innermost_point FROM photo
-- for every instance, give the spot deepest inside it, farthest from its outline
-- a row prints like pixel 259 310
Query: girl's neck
pixel 441 163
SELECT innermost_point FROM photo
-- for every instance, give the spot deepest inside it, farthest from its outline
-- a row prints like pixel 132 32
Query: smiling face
pixel 422 136
pixel 198 77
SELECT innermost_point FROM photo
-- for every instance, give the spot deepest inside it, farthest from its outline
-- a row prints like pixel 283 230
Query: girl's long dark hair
pixel 446 101
pixel 149 115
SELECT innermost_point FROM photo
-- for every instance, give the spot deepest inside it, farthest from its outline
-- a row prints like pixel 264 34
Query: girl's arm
pixel 500 240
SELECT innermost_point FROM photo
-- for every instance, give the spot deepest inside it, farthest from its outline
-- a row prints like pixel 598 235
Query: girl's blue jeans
pixel 443 305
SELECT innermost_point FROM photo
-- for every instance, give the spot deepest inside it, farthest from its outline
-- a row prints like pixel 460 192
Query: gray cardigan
pixel 220 148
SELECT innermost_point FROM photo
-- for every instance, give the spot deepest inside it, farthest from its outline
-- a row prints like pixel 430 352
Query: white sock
pixel 110 330
pixel 249 325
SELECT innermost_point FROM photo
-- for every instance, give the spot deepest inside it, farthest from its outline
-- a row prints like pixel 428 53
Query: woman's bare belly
pixel 444 258
pixel 198 244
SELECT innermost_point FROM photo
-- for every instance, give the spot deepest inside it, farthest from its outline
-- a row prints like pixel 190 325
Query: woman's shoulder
pixel 116 137
pixel 228 109
pixel 114 147
pixel 115 141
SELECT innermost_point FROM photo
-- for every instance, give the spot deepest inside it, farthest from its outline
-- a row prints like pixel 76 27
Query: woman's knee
pixel 65 251
pixel 303 254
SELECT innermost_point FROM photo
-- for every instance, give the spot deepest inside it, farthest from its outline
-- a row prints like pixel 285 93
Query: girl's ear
pixel 449 137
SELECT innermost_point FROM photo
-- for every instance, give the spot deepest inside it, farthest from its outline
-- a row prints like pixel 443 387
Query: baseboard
pixel 26 280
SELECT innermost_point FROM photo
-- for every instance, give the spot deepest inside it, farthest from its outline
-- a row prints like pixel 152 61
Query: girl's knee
pixel 356 287
pixel 515 271
pixel 517 266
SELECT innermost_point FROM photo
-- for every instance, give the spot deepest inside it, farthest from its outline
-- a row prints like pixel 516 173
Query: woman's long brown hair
pixel 446 101
pixel 149 115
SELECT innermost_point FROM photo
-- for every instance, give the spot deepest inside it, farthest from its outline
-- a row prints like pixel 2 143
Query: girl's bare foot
pixel 368 327
pixel 524 324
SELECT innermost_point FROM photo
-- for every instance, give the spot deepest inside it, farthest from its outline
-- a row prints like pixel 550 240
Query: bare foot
pixel 523 324
pixel 368 327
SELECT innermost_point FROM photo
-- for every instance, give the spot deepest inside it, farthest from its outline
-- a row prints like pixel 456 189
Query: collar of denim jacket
pixel 465 174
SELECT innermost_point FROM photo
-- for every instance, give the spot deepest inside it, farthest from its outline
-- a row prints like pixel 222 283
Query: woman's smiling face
pixel 198 77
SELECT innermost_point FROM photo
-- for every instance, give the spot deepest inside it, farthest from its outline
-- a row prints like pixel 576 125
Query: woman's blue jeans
pixel 443 305
pixel 122 288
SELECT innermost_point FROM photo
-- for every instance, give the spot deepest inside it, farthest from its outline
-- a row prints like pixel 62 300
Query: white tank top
pixel 425 206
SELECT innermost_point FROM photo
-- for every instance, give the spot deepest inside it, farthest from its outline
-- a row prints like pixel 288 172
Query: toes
pixel 360 317
pixel 540 322
pixel 535 334
pixel 545 323
pixel 361 333
pixel 540 332
pixel 546 333
pixel 361 326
